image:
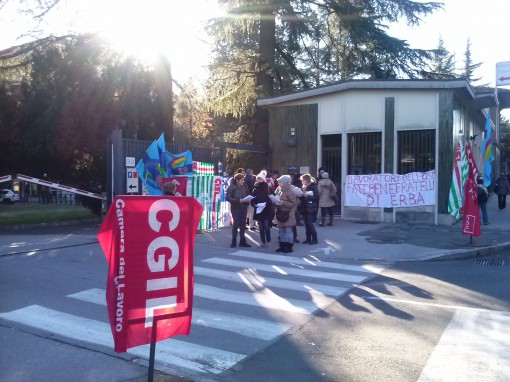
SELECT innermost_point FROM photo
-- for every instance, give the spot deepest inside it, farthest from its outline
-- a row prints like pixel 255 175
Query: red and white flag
pixel 470 211
pixel 148 244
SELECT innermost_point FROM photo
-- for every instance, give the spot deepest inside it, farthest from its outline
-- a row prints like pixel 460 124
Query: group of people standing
pixel 281 198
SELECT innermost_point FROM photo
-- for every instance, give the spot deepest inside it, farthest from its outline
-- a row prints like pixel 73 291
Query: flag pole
pixel 152 352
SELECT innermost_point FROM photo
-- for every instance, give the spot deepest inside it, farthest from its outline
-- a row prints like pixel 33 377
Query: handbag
pixel 282 215
pixel 333 195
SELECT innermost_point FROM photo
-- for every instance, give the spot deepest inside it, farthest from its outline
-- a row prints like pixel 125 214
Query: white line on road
pixel 170 352
pixel 246 326
pixel 309 260
pixel 474 347
pixel 268 282
pixel 424 303
pixel 287 270
pixel 263 298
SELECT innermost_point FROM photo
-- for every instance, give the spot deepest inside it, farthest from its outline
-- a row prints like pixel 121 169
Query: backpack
pixel 482 195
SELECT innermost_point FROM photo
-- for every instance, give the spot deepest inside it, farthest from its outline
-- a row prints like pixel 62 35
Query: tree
pixel 267 47
pixel 443 63
pixel 469 66
pixel 63 100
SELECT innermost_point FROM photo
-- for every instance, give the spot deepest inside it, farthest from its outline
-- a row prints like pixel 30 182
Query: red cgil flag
pixel 148 244
pixel 470 211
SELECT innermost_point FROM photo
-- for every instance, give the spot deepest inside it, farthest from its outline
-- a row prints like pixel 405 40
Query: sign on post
pixel 503 73
pixel 132 181
pixel 130 162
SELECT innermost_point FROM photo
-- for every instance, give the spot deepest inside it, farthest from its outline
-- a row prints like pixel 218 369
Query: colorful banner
pixel 150 169
pixel 178 164
pixel 486 149
pixel 391 190
pixel 148 244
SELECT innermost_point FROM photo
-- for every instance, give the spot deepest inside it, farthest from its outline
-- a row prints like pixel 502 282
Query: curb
pixel 471 253
pixel 61 223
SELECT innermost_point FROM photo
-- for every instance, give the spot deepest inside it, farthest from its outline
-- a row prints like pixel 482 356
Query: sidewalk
pixel 386 242
pixel 345 240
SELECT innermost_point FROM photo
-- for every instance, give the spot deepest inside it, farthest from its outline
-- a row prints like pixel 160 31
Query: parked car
pixel 8 196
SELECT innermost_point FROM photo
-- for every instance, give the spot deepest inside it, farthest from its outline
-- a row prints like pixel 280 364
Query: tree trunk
pixel 267 44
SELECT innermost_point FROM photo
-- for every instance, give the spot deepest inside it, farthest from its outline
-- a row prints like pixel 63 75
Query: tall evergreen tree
pixel 443 63
pixel 267 47
pixel 469 66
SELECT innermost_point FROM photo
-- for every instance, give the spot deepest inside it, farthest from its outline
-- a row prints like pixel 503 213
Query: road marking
pixel 309 260
pixel 249 275
pixel 246 326
pixel 474 347
pixel 411 302
pixel 170 352
pixel 262 298
pixel 287 270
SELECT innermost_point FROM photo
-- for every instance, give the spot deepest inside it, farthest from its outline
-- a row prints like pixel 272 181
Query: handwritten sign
pixel 391 190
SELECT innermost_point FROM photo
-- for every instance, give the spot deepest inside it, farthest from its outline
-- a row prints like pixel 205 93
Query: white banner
pixel 391 190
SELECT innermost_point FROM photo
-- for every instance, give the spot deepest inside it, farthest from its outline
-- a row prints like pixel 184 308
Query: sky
pixel 145 27
pixel 175 27
pixel 485 23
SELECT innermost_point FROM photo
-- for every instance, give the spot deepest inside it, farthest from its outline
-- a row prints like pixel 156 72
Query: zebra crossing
pixel 242 303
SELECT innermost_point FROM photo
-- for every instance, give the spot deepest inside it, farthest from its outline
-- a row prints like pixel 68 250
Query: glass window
pixel 416 151
pixel 364 153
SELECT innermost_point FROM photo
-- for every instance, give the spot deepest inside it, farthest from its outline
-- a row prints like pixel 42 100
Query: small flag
pixel 179 164
pixel 150 170
pixel 487 152
pixel 460 172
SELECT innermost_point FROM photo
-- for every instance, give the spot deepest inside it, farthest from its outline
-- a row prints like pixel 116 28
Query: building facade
pixel 362 127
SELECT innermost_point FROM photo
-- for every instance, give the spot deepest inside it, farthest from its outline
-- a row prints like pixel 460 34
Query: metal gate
pixel 121 148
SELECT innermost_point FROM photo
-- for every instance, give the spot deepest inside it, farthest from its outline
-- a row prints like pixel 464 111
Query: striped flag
pixel 202 189
pixel 460 173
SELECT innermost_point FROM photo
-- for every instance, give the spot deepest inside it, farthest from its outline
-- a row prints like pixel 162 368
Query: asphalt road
pixel 396 326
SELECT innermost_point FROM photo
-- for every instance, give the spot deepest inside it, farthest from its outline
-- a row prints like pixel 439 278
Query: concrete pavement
pixel 344 241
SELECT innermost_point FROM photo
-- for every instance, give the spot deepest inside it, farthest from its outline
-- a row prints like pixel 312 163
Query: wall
pixel 302 118
pixel 387 111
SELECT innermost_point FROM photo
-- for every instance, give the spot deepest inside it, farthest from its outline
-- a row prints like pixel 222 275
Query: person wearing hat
pixel 286 219
pixel 327 192
pixel 236 195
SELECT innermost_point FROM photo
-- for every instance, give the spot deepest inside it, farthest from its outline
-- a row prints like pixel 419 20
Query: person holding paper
pixel 237 196
pixel 309 208
pixel 262 206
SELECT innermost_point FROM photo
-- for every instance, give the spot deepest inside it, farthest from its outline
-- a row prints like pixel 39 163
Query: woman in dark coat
pixel 262 214
pixel 502 190
pixel 309 208
pixel 238 208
